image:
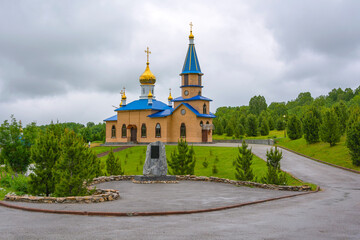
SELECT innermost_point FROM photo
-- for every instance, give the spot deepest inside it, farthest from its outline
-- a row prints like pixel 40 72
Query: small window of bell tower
pixel 186 80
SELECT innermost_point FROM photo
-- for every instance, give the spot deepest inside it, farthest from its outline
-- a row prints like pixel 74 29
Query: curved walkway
pixel 333 213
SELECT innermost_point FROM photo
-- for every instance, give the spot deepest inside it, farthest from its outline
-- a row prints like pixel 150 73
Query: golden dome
pixel 191 36
pixel 123 96
pixel 150 94
pixel 147 77
pixel 170 97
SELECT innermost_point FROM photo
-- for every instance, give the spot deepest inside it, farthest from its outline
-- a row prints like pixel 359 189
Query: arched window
pixel 157 130
pixel 143 130
pixel 207 122
pixel 201 123
pixel 204 109
pixel 123 131
pixel 183 130
pixel 113 131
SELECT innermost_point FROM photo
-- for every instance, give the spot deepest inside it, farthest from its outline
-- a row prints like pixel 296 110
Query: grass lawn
pixel 273 134
pixel 338 154
pixel 132 160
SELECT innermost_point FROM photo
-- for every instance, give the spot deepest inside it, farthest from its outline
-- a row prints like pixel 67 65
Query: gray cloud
pixel 53 50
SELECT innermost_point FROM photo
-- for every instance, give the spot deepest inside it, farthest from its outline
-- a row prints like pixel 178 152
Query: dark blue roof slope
pixel 191 64
pixel 113 118
pixel 198 97
pixel 168 112
pixel 142 104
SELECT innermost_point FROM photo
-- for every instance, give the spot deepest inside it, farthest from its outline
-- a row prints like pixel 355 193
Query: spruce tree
pixel 353 136
pixel 264 128
pixel 274 174
pixel 243 163
pixel 45 153
pixel 280 124
pixel 311 125
pixel 330 131
pixel 182 161
pixel 294 129
pixel 251 125
pixel 113 165
pixel 76 167
pixel 342 114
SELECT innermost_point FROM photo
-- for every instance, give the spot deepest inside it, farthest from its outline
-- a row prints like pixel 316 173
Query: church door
pixel 204 135
pixel 133 134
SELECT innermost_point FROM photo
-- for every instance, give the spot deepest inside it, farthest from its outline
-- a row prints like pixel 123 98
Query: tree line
pixel 325 118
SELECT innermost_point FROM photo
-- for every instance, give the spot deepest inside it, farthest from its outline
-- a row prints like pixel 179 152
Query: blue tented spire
pixel 191 64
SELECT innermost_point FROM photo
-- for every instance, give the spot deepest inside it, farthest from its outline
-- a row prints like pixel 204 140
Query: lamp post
pixel 284 126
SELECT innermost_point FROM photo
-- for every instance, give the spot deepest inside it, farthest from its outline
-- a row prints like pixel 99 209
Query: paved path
pixel 333 213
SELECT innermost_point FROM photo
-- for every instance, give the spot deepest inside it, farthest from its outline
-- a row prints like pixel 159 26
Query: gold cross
pixel 147 53
pixel 191 25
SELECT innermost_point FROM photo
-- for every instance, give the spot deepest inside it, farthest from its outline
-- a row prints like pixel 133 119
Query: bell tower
pixel 191 82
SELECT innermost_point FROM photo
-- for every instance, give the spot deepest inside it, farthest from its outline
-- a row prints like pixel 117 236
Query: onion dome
pixel 123 96
pixel 150 94
pixel 170 98
pixel 147 77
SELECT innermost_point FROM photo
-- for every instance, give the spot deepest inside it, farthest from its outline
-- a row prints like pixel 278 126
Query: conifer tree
pixel 243 163
pixel 294 129
pixel 251 125
pixel 264 128
pixel 274 174
pixel 311 125
pixel 182 161
pixel 330 131
pixel 353 136
pixel 76 167
pixel 113 165
pixel 342 114
pixel 45 153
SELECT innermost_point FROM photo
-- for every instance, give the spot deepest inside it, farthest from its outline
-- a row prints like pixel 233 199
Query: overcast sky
pixel 68 60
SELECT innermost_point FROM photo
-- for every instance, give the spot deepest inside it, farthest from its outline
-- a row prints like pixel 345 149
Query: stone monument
pixel 155 167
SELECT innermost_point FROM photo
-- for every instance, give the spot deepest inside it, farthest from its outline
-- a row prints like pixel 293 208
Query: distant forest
pixel 258 117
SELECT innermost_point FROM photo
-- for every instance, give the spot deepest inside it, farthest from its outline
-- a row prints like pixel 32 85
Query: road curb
pixel 130 214
pixel 320 161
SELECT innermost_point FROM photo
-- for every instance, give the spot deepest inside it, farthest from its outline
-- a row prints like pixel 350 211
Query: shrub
pixel 205 163
pixel 214 169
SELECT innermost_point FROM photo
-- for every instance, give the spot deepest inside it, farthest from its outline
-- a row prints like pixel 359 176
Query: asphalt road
pixel 333 213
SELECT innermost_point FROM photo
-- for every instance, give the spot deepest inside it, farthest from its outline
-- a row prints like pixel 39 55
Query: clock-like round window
pixel 183 111
pixel 186 92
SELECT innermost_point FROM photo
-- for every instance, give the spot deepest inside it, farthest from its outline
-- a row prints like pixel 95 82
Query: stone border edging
pixel 130 214
pixel 101 195
pixel 320 161
pixel 209 179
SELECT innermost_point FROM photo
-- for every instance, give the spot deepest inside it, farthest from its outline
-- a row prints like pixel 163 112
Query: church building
pixel 148 120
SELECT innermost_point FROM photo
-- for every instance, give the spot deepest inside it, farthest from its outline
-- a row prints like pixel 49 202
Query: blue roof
pixel 197 97
pixel 113 118
pixel 142 104
pixel 168 112
pixel 191 64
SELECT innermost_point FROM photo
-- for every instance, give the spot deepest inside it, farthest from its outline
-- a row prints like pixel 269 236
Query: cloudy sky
pixel 68 60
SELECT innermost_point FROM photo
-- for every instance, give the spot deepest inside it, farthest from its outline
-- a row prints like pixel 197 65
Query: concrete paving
pixel 333 213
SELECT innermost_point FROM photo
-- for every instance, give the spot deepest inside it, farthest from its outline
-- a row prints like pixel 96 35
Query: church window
pixel 113 132
pixel 199 80
pixel 204 109
pixel 199 93
pixel 183 130
pixel 207 122
pixel 123 131
pixel 201 123
pixel 186 80
pixel 186 92
pixel 183 111
pixel 158 130
pixel 143 130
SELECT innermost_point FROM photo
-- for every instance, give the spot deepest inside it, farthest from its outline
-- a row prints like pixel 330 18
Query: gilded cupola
pixel 147 78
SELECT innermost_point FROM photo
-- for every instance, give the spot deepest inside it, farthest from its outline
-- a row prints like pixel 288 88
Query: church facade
pixel 148 120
